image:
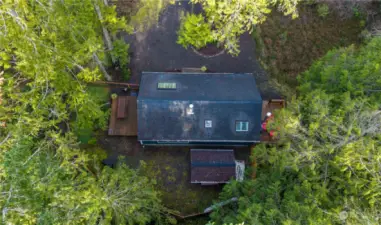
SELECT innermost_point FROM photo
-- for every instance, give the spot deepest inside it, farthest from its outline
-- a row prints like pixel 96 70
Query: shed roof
pixel 212 165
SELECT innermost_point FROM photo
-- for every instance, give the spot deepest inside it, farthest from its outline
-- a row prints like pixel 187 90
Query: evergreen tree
pixel 325 168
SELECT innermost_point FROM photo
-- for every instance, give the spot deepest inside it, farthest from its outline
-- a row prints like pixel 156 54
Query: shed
pixel 198 109
pixel 212 166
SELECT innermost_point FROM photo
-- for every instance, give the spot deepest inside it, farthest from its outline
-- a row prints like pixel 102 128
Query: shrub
pixel 194 31
pixel 323 10
pixel 114 96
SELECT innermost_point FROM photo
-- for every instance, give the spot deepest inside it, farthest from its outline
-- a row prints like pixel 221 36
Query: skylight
pixel 166 85
pixel 241 126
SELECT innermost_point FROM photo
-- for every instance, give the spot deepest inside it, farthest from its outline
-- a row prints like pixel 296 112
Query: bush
pixel 194 31
pixel 323 10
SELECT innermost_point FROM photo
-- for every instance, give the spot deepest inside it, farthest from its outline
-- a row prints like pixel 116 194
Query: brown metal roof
pixel 212 165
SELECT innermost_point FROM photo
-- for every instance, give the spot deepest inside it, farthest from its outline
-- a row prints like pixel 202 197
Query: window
pixel 241 126
pixel 166 85
pixel 208 123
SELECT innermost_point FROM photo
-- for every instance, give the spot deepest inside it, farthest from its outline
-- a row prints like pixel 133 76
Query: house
pixel 215 166
pixel 198 109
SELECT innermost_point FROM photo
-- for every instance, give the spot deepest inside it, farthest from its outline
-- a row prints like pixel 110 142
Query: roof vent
pixel 190 109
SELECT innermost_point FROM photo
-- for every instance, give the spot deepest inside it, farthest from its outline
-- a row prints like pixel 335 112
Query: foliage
pixel 52 182
pixel 100 96
pixel 194 31
pixel 347 70
pixel 325 167
pixel 230 19
pixel 120 52
pixel 52 48
pixel 47 56
pixel 323 10
pixel 114 96
pixel 357 12
pixel 148 13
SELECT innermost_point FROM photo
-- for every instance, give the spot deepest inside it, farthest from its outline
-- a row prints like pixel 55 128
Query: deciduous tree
pixel 50 50
pixel 231 18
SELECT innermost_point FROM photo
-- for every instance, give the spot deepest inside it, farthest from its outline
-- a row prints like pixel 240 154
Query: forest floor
pixel 287 47
pixel 170 168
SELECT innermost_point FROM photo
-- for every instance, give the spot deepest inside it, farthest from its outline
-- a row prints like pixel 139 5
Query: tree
pixel 148 13
pixel 352 70
pixel 194 31
pixel 49 51
pixel 231 18
pixel 325 167
pixel 52 182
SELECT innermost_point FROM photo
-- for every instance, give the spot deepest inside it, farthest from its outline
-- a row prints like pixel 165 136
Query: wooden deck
pixel 270 106
pixel 124 120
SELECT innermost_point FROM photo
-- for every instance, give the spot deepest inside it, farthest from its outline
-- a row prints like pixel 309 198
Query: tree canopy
pixel 231 18
pixel 325 168
pixel 49 52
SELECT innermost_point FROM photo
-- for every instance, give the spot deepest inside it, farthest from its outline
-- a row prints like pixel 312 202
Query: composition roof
pixel 181 114
pixel 201 87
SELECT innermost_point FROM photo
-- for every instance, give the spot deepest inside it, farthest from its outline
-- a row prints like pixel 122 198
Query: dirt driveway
pixel 157 50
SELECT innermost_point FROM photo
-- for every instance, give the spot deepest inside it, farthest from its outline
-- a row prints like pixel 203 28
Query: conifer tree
pixel 325 167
